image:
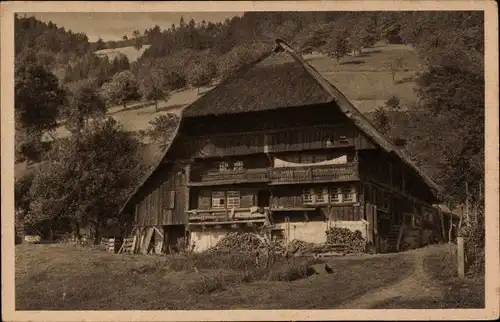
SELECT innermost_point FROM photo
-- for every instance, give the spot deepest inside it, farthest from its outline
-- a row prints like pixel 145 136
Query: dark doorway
pixel 263 198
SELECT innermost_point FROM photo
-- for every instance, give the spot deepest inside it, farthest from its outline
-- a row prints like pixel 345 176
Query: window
pixel 307 196
pixel 223 166
pixel 334 195
pixel 349 194
pixel 233 199
pixel 238 165
pixel 218 199
pixel 316 195
pixel 320 195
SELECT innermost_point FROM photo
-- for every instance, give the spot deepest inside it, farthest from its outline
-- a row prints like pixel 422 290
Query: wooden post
pixel 441 216
pixel 460 257
pixel 451 227
pixel 467 202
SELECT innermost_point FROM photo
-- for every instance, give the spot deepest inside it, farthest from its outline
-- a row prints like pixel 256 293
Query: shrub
pixel 208 283
pixel 474 239
pixel 291 272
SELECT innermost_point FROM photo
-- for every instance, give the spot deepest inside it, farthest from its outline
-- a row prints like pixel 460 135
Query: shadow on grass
pixel 162 109
pixel 404 80
pixel 353 62
pixel 131 108
pixel 369 53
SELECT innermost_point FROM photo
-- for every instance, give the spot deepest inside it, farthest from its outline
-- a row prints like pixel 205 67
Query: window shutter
pixel 171 203
pixel 204 199
pixel 247 199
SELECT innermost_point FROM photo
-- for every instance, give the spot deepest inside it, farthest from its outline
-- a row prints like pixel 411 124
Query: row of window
pixel 329 195
pixel 232 199
pixel 220 201
pixel 224 166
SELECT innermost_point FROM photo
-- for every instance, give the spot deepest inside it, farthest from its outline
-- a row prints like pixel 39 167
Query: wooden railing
pixel 231 177
pixel 225 215
pixel 330 173
pixel 277 176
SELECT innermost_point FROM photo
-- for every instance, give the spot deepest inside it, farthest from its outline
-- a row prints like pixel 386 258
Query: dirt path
pixel 415 288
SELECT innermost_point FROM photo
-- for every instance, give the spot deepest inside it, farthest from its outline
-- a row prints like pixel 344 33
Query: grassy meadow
pixel 65 277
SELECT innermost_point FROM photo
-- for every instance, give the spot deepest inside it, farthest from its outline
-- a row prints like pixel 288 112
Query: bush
pixel 291 272
pixel 211 282
pixel 474 239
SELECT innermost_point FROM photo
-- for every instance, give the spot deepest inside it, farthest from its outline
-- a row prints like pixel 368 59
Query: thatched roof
pixel 281 79
pixel 276 80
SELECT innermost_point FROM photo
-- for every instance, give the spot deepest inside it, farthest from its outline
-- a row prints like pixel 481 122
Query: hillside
pixel 361 79
pixel 130 52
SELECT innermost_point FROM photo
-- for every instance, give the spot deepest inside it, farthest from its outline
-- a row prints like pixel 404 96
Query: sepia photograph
pixel 249 160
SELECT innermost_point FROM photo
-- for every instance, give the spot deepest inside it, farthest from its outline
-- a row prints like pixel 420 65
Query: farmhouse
pixel 276 148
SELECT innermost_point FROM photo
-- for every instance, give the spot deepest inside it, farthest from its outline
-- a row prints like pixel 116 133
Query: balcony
pixel 279 176
pixel 320 174
pixel 225 216
pixel 231 177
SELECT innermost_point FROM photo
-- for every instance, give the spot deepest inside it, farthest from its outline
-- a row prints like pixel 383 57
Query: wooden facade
pixel 310 163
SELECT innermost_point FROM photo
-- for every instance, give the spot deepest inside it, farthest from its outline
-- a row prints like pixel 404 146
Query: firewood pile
pixel 243 242
pixel 353 240
pixel 252 243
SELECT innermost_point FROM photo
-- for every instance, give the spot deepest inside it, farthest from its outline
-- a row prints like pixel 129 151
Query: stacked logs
pixel 353 240
pixel 241 242
pixel 339 240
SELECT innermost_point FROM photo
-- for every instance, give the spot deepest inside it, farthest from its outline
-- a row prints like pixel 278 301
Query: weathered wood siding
pixel 345 213
pixel 270 141
pixel 390 173
pixel 162 200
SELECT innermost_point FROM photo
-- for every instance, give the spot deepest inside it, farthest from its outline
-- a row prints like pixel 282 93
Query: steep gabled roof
pixel 274 81
pixel 266 85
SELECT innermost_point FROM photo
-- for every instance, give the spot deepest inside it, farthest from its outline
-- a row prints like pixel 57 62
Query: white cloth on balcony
pixel 278 163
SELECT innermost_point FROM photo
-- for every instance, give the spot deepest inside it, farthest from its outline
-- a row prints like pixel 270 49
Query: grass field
pixel 63 277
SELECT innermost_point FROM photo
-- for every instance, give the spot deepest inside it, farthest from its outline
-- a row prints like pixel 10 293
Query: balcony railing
pixel 232 177
pixel 330 173
pixel 278 176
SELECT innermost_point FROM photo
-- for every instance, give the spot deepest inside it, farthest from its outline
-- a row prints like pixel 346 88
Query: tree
pixel 162 128
pixel 21 190
pixel 201 74
pixel 356 39
pixel 89 178
pixel 338 45
pixel 125 37
pixel 100 44
pixel 395 64
pixel 84 103
pixel 122 88
pixel 137 39
pixel 152 83
pixel 381 120
pixel 393 103
pixel 38 101
pixel 38 98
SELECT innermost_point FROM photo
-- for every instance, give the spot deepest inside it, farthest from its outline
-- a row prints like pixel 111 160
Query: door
pixel 263 198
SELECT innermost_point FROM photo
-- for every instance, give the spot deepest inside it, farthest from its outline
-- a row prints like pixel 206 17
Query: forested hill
pixel 447 132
